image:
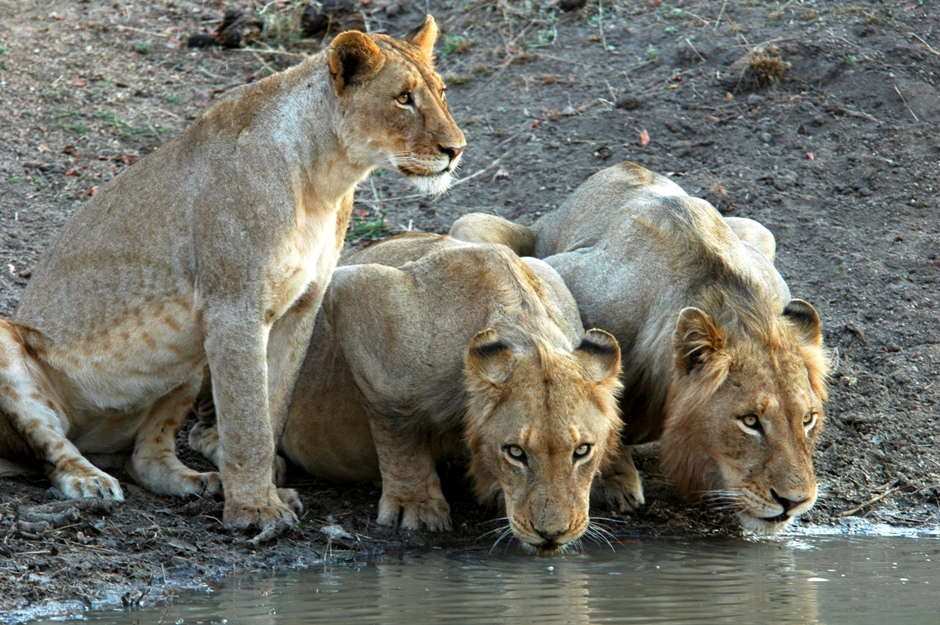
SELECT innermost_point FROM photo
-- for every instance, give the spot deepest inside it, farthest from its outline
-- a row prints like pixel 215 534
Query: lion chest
pixel 303 264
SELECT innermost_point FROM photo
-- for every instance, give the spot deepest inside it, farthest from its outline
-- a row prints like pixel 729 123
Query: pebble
pixel 392 10
pixel 629 102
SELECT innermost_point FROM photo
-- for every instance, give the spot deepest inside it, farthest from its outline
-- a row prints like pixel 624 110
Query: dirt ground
pixel 818 119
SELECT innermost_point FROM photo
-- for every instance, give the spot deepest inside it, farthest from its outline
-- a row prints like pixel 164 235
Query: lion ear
pixel 489 358
pixel 698 340
pixel 353 58
pixel 599 356
pixel 805 320
pixel 424 37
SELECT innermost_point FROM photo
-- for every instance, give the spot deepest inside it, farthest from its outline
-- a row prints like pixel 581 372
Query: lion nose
pixel 788 504
pixel 551 535
pixel 452 152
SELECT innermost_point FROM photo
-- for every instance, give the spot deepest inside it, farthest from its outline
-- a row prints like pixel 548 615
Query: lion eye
pixel 809 420
pixel 582 451
pixel 515 452
pixel 405 98
pixel 751 421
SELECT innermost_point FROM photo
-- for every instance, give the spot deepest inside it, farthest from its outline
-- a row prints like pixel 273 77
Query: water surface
pixel 825 579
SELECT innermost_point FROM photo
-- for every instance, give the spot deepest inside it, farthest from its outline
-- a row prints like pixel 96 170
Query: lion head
pixel 744 411
pixel 538 425
pixel 392 105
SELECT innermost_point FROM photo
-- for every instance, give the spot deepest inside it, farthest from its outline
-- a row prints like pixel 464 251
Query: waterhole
pixel 805 579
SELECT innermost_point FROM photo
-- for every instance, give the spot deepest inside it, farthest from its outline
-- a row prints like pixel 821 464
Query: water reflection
pixel 803 580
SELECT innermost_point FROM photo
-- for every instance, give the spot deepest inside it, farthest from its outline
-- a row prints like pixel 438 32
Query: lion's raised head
pixel 539 424
pixel 744 411
pixel 392 105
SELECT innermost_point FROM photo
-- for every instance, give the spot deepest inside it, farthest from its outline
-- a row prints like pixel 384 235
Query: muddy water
pixel 806 579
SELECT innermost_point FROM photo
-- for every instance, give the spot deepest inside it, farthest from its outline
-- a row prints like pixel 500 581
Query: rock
pixel 392 10
pixel 628 102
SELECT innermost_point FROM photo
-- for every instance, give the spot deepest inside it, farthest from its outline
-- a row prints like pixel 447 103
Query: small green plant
pixel 368 229
pixel 455 44
pixel 849 59
pixel 3 49
pixel 651 53
pixel 15 179
pixel 173 99
pixel 670 30
pixel 108 117
pixel 142 47
pixel 77 127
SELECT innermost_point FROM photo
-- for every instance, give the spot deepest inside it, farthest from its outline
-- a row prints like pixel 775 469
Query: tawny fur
pixel 216 250
pixel 709 332
pixel 427 346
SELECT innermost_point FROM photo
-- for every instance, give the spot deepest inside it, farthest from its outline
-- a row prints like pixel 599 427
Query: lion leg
pixel 485 228
pixel 235 347
pixel 154 464
pixel 287 347
pixel 28 400
pixel 618 486
pixel 204 436
pixel 411 487
pixel 754 233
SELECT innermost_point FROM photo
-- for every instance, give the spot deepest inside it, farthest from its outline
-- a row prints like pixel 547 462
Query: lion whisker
pixel 598 535
pixel 493 531
pixel 507 532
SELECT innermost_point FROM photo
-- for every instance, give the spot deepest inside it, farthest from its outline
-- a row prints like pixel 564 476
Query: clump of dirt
pixel 839 161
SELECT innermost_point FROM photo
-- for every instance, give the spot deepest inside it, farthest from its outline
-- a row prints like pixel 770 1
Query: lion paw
pixel 292 499
pixel 268 511
pixel 433 515
pixel 620 492
pixel 87 481
pixel 204 483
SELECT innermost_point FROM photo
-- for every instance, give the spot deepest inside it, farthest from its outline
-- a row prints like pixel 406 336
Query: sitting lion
pixel 215 249
pixel 719 363
pixel 436 345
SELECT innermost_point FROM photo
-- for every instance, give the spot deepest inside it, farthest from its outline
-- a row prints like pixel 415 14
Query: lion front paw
pixel 432 514
pixel 620 492
pixel 268 510
pixel 86 480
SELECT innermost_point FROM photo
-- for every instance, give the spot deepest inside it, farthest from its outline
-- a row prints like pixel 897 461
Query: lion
pixel 214 250
pixel 720 364
pixel 426 346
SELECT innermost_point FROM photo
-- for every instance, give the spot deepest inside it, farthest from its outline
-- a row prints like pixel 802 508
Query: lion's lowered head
pixel 538 425
pixel 744 411
pixel 392 105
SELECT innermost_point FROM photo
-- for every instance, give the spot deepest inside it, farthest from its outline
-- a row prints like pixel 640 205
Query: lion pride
pixel 719 363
